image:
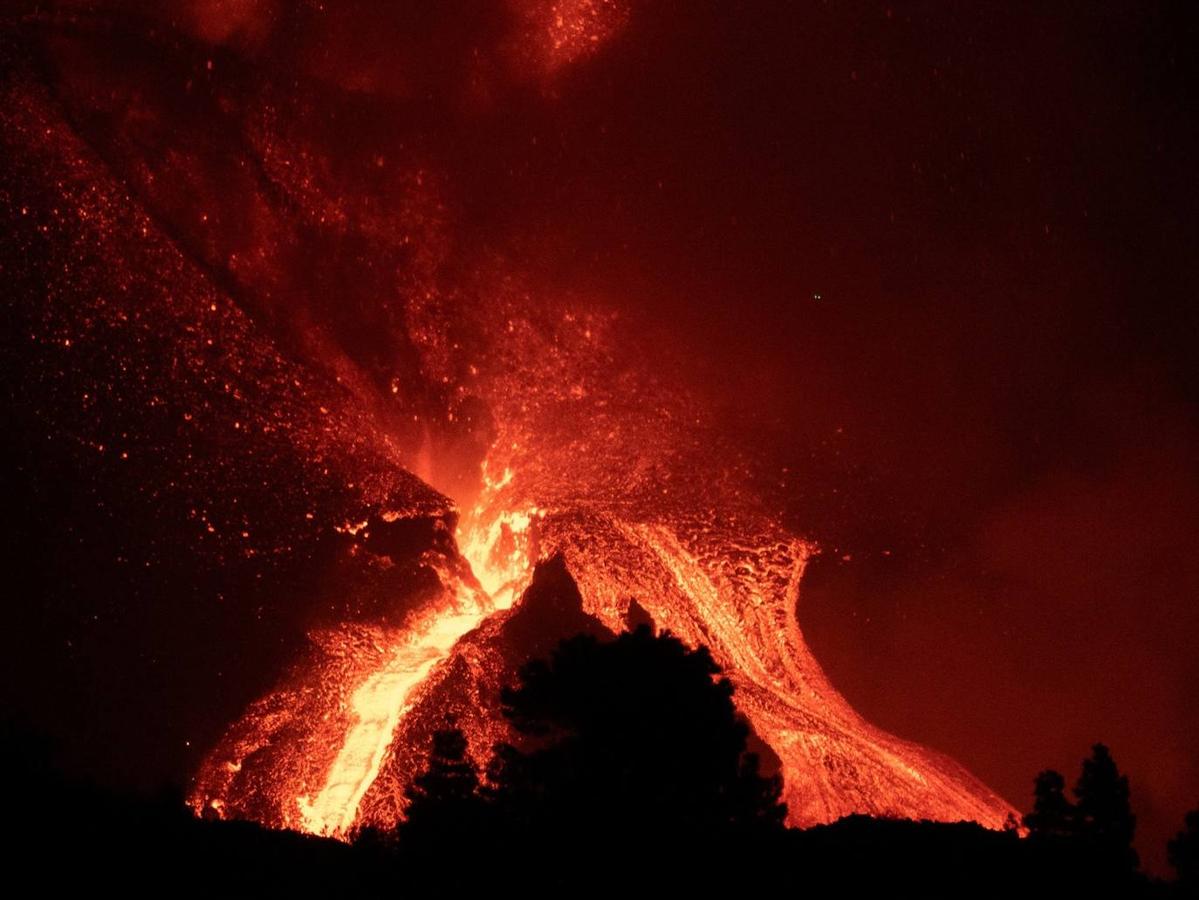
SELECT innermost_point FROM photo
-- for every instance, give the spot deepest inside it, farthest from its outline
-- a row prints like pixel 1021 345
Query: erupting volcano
pixel 368 428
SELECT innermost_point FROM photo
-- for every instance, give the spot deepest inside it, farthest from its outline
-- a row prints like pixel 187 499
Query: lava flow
pixel 333 723
pixel 388 691
pixel 642 505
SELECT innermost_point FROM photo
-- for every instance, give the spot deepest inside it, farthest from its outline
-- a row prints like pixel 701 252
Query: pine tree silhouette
pixel 1102 811
pixel 1183 852
pixel 444 803
pixel 1053 815
pixel 634 734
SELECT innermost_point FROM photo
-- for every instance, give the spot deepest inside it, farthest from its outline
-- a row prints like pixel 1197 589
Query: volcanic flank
pixel 265 449
pixel 833 763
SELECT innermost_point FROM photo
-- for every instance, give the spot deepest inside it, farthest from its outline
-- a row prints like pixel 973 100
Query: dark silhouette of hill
pixel 67 836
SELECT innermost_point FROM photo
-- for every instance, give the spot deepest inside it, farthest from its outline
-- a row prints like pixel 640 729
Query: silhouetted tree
pixel 444 803
pixel 1052 815
pixel 1183 852
pixel 1103 813
pixel 631 735
pixel 1086 845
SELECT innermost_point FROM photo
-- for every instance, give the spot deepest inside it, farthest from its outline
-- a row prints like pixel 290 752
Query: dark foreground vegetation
pixel 629 771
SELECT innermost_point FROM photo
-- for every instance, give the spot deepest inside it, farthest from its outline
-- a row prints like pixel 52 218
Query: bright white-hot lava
pixel 499 544
pixel 390 666
pixel 379 703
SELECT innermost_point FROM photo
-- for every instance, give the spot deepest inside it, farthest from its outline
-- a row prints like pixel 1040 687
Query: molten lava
pixel 378 704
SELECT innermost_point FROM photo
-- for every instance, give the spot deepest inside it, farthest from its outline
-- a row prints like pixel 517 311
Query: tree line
pixel 628 769
pixel 632 748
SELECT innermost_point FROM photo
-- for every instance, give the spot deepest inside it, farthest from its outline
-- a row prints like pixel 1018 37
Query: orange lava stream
pixel 499 555
pixel 378 705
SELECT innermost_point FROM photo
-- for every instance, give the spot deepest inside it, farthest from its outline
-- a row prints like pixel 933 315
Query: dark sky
pixel 937 261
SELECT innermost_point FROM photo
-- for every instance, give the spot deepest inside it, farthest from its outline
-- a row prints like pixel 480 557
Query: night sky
pixel 934 263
